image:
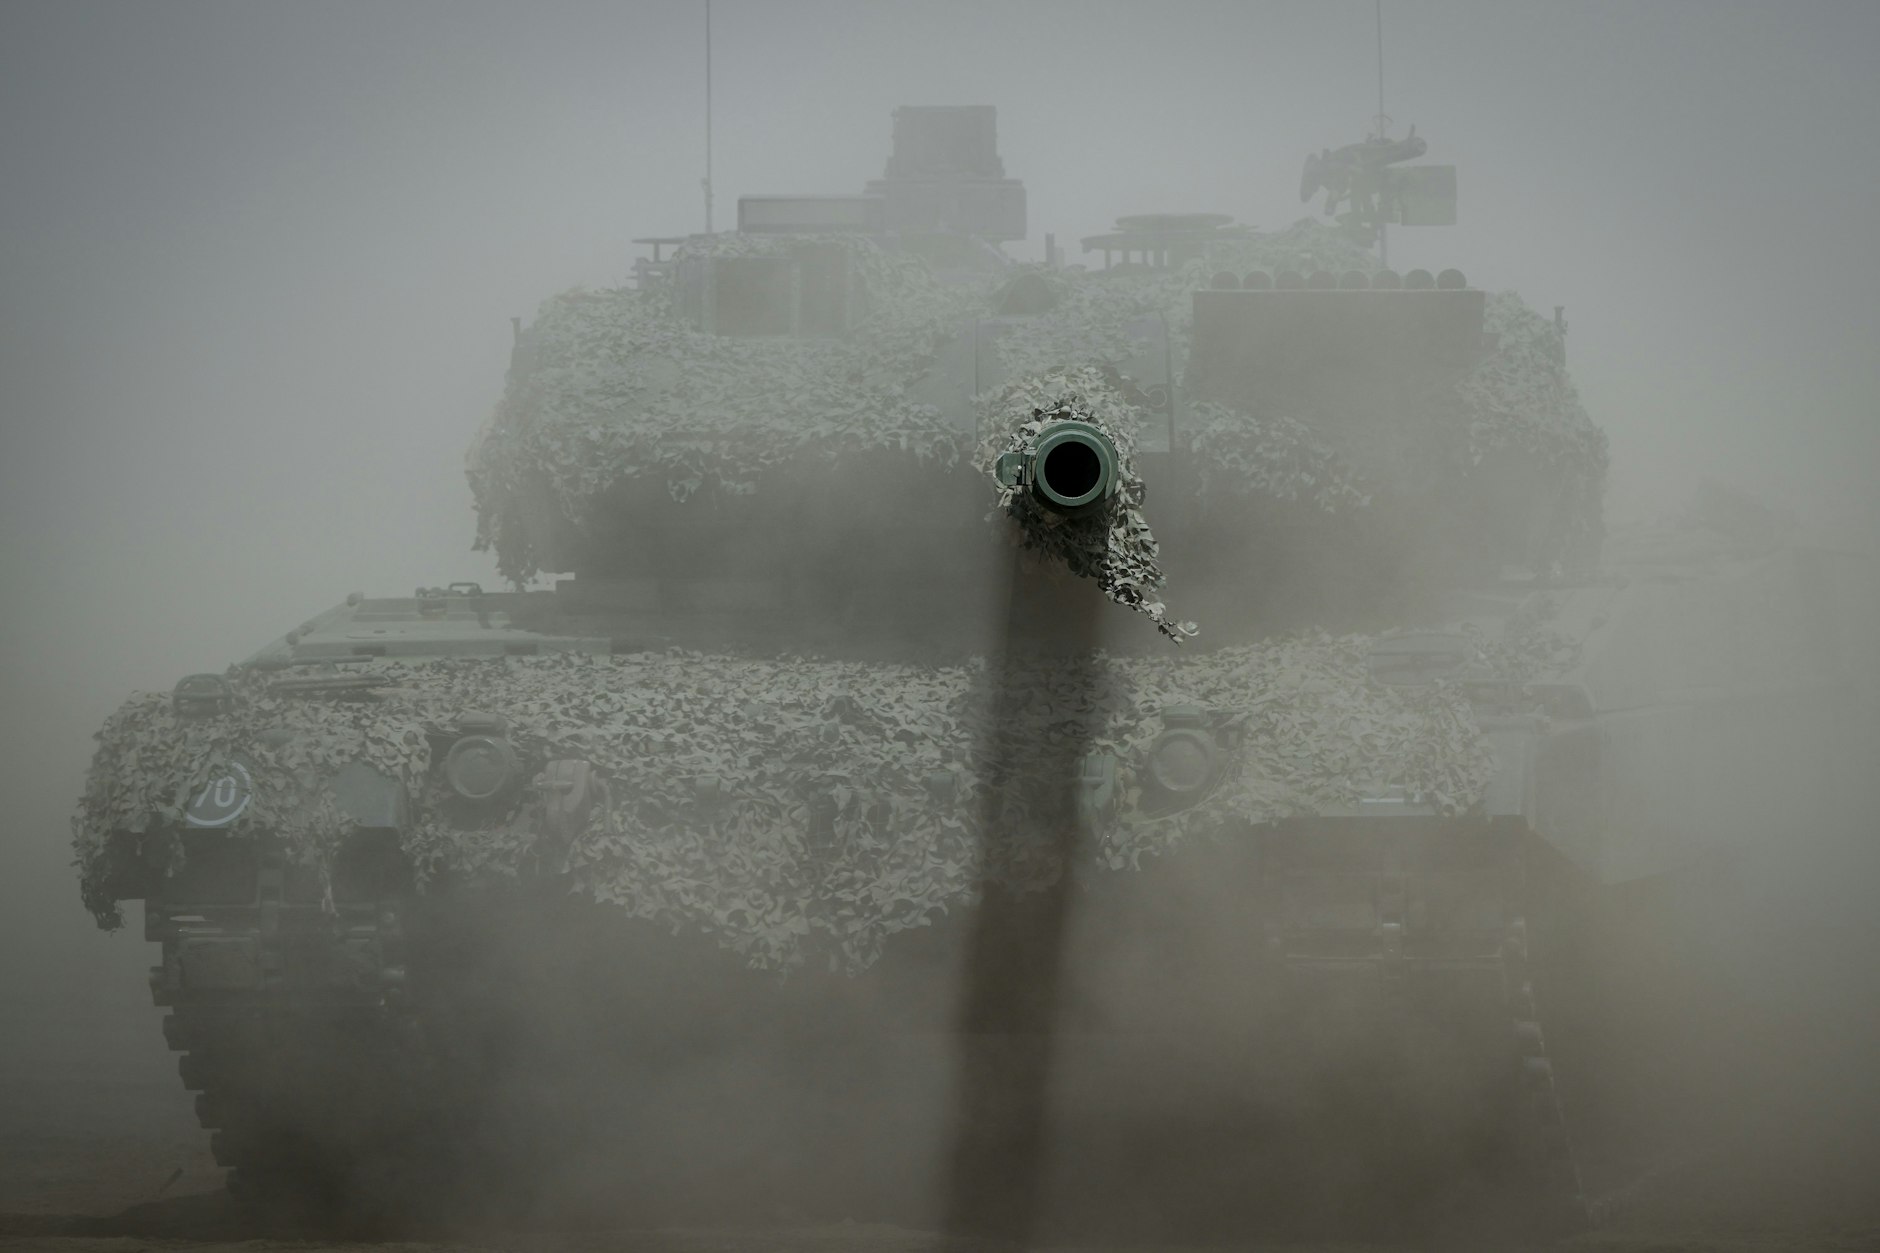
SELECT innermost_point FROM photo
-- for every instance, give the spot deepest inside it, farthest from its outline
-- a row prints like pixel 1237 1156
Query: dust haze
pixel 259 266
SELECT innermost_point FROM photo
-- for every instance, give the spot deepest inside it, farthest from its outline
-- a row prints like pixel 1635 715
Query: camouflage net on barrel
pixel 791 810
pixel 1112 545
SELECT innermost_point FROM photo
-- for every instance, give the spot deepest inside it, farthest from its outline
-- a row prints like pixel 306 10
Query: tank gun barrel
pixel 1073 469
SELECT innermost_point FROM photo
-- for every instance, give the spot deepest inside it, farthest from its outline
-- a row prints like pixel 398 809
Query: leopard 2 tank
pixel 849 725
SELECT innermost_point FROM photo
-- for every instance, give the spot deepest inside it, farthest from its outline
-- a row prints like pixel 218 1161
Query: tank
pixel 1173 700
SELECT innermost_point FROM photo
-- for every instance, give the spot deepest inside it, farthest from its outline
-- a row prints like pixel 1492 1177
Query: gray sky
pixel 257 260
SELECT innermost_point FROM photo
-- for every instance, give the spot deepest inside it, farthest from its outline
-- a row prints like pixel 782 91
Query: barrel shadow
pixel 1013 971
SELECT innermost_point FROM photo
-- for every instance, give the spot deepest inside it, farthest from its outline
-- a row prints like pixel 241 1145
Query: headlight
pixel 482 766
pixel 1185 759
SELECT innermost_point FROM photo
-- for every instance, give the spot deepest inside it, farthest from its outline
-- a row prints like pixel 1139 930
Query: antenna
pixel 1383 122
pixel 1383 130
pixel 706 182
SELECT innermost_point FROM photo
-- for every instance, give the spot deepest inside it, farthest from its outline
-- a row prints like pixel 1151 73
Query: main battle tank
pixel 871 711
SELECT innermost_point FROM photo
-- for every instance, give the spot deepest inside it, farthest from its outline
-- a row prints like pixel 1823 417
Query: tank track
pixel 352 1102
pixel 322 1094
pixel 1476 981
pixel 318 1116
pixel 1544 1155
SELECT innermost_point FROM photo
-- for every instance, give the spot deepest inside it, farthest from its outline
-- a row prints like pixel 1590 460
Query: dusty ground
pixel 93 1165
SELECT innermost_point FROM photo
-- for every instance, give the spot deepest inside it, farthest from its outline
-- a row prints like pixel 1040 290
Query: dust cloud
pixel 257 266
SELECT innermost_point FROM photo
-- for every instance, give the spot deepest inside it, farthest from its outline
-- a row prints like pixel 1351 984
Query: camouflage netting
pixel 1521 398
pixel 1271 455
pixel 613 387
pixel 1090 323
pixel 149 764
pixel 1234 452
pixel 793 809
pixel 811 809
pixel 1113 544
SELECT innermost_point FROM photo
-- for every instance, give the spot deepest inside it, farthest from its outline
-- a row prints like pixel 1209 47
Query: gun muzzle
pixel 1073 470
